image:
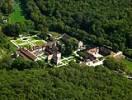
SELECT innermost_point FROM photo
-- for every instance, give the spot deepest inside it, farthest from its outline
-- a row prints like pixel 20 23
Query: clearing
pixel 128 63
pixel 17 15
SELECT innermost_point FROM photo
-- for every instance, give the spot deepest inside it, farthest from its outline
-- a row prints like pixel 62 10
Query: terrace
pixel 28 42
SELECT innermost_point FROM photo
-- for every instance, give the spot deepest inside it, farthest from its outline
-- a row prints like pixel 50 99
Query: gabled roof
pixel 27 53
pixel 89 56
pixel 104 51
pixel 86 56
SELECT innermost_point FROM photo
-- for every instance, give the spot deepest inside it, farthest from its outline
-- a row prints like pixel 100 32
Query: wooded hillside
pixel 66 83
pixel 6 6
pixel 100 21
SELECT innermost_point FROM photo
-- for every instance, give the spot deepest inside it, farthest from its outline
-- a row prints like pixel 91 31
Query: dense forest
pixel 100 21
pixel 6 6
pixel 73 82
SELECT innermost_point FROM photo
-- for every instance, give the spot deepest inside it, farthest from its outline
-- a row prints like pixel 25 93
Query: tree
pixel 12 30
pixel 44 31
pixel 21 64
pixel 64 83
pixel 6 6
pixel 69 46
pixel 130 40
pixel 128 53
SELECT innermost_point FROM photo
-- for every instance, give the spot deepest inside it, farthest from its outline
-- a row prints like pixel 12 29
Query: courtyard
pixel 28 42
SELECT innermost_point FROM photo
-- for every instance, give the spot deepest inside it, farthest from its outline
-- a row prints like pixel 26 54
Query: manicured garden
pixel 38 42
pixel 28 41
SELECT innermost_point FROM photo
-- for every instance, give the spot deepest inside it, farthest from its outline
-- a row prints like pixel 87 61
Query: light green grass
pixel 38 43
pixel 29 42
pixel 19 41
pixel 17 15
pixel 35 38
pixel 28 46
pixel 128 63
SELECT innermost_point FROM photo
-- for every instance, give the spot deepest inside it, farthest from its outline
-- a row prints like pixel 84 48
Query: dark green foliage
pixel 100 21
pixel 69 46
pixel 44 32
pixel 14 30
pixel 129 40
pixel 3 41
pixel 6 6
pixel 105 22
pixel 21 64
pixel 82 53
pixel 71 82
pixel 5 51
pixel 128 53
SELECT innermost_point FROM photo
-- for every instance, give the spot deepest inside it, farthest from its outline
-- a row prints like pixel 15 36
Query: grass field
pixel 128 63
pixel 17 15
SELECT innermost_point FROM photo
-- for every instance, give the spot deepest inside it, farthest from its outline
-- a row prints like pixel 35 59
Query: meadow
pixel 17 15
pixel 128 63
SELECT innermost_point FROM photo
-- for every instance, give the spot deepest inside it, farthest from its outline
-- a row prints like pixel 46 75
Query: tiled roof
pixel 27 53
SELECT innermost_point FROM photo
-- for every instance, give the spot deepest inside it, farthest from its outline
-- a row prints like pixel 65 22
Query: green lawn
pixel 26 46
pixel 17 15
pixel 128 63
pixel 19 41
pixel 28 41
pixel 38 43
